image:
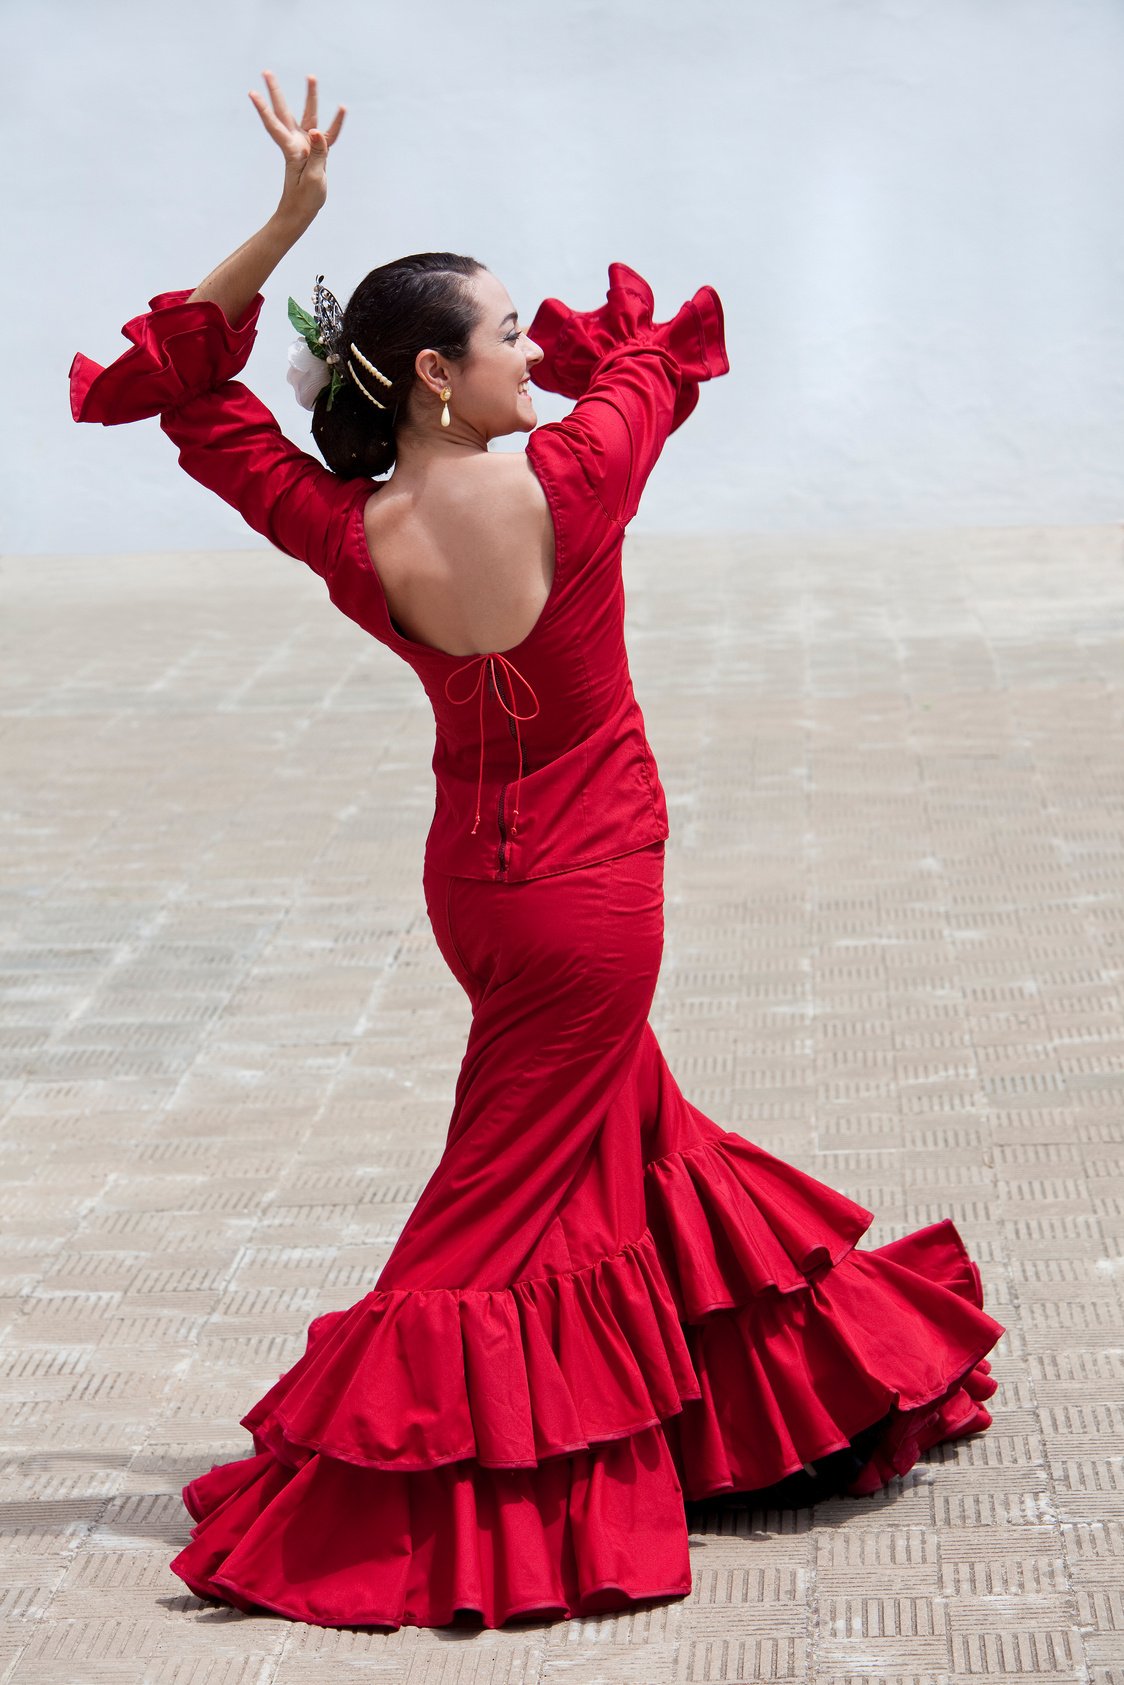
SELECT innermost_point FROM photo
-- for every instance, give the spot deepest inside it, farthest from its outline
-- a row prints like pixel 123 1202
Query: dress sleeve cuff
pixel 178 351
pixel 576 342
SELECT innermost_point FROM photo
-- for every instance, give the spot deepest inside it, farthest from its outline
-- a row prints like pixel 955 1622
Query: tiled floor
pixel 895 957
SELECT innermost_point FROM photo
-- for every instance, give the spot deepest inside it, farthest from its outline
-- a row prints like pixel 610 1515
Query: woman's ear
pixel 431 370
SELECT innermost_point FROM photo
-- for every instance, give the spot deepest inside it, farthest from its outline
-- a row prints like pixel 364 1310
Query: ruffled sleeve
pixel 181 367
pixel 180 350
pixel 636 380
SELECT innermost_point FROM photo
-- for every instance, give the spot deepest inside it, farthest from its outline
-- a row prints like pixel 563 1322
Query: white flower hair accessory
pixel 314 359
pixel 308 373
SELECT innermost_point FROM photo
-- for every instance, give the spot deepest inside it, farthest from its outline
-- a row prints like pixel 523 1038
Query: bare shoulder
pixel 524 490
pixel 515 467
pixel 509 480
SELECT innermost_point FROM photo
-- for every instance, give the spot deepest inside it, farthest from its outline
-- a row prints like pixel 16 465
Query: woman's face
pixel 490 391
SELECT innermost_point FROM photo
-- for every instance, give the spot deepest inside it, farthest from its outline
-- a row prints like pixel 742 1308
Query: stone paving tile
pixel 895 957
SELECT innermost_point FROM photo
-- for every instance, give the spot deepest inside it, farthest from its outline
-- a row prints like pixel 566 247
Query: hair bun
pixel 417 303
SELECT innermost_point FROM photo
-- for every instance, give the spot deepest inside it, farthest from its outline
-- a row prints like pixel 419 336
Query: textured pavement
pixel 895 957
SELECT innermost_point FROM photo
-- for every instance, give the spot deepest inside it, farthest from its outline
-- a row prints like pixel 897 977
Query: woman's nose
pixel 535 353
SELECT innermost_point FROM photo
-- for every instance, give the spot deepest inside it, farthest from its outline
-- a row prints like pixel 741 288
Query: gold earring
pixel 446 394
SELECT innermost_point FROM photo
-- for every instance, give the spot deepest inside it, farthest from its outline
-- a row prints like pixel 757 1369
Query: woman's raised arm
pixel 188 348
pixel 240 277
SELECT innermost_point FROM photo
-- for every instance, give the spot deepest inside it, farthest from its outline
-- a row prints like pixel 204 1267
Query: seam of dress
pixel 646 769
pixel 611 519
pixel 643 1242
pixel 362 547
pixel 561 545
pixel 578 865
pixel 456 947
pixel 615 520
pixel 552 495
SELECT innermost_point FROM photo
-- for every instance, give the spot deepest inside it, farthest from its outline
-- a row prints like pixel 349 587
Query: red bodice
pixel 541 759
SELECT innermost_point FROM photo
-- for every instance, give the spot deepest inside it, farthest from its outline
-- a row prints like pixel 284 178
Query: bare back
pixel 466 553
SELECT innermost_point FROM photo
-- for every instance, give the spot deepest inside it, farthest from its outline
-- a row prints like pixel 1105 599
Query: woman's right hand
pixel 304 145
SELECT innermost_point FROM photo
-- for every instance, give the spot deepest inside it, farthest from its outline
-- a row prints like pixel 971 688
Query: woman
pixel 603 1305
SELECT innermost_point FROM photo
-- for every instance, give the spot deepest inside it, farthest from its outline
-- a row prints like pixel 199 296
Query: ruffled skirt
pixel 603 1307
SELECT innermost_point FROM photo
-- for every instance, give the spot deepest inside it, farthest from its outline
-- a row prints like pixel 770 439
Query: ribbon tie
pixel 487 662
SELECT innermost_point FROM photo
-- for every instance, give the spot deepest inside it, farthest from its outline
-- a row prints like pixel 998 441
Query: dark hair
pixel 413 304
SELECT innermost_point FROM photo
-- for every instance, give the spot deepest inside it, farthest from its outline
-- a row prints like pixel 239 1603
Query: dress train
pixel 530 1450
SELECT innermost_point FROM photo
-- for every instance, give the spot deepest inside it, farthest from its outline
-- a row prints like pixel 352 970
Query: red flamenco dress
pixel 603 1305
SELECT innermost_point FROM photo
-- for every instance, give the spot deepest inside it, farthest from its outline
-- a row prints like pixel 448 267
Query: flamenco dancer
pixel 604 1306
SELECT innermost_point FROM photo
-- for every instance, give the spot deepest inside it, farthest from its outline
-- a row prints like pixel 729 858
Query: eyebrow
pixel 512 316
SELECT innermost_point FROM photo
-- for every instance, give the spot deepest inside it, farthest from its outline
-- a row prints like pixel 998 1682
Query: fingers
pixel 278 99
pixel 280 121
pixel 278 130
pixel 308 117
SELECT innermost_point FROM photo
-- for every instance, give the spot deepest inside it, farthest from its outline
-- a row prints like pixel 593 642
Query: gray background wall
pixel 911 210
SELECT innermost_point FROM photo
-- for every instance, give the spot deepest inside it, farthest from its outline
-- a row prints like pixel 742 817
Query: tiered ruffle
pixel 180 350
pixel 414 1378
pixel 530 1449
pixel 575 342
pixel 337 1545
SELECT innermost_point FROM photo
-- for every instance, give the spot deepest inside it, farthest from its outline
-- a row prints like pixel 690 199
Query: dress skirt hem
pixel 531 1451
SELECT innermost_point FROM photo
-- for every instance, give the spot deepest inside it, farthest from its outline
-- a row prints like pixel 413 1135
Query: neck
pixel 417 452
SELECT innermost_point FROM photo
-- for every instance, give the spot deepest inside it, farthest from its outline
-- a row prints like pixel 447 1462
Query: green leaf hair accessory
pixel 314 361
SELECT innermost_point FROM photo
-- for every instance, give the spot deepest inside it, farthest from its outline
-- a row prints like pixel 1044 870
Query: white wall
pixel 911 210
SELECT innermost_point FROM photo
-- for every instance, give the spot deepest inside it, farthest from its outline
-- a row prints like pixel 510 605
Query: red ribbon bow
pixel 487 662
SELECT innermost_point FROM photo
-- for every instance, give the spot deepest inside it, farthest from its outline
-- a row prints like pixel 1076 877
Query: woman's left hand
pixel 304 145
